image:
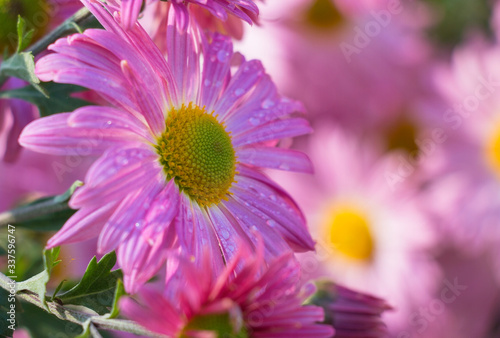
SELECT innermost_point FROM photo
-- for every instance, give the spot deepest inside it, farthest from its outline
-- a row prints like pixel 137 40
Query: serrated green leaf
pixel 20 65
pixel 38 283
pixel 59 97
pixel 96 290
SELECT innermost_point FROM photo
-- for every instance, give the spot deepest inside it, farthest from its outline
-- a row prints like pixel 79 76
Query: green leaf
pixel 44 214
pixel 20 65
pixel 23 37
pixel 58 98
pixel 38 283
pixel 98 286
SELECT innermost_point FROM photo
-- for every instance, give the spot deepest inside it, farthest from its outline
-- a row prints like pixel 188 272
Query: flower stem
pixel 29 212
pixel 75 316
pixel 82 17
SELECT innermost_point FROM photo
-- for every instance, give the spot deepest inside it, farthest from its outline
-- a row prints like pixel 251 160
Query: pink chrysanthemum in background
pixel 248 299
pixel 180 148
pixel 464 171
pixel 245 10
pixel 370 234
pixel 41 16
pixel 360 64
pixel 352 314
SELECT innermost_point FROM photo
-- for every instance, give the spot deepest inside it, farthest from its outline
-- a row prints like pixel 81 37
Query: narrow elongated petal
pixel 276 158
pixel 53 135
pixel 83 225
pixel 117 173
pixel 273 131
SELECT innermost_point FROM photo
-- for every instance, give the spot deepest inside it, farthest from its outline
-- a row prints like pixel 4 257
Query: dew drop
pixel 239 92
pixel 254 121
pixel 207 82
pixel 271 223
pixel 267 104
pixel 223 56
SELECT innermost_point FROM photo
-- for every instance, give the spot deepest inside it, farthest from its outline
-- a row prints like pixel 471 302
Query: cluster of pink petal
pixel 244 9
pixel 269 300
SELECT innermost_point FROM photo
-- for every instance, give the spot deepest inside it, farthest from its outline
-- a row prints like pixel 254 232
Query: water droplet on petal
pixel 267 104
pixel 239 92
pixel 223 56
pixel 254 121
pixel 271 223
pixel 207 82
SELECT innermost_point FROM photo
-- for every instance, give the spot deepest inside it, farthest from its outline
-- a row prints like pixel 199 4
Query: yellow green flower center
pixel 324 15
pixel 196 151
pixel 348 231
pixel 35 12
pixel 492 152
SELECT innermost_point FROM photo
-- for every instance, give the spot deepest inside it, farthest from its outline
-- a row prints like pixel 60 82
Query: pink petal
pixel 247 76
pixel 116 174
pixel 130 12
pixel 273 131
pixel 276 158
pixel 84 224
pixel 53 135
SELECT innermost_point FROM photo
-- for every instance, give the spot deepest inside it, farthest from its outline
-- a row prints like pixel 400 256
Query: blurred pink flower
pixel 247 298
pixel 36 175
pixel 180 160
pixel 16 114
pixel 361 64
pixel 245 10
pixel 464 171
pixel 370 235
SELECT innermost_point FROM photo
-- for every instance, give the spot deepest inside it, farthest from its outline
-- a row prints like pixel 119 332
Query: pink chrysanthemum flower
pixel 246 10
pixel 246 300
pixel 464 170
pixel 180 149
pixel 41 16
pixel 370 234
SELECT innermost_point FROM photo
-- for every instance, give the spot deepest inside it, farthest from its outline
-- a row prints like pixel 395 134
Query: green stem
pixel 78 317
pixel 81 18
pixel 29 212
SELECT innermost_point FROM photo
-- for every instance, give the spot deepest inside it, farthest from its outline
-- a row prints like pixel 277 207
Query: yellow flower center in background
pixel 36 13
pixel 324 15
pixel 492 152
pixel 348 231
pixel 196 151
